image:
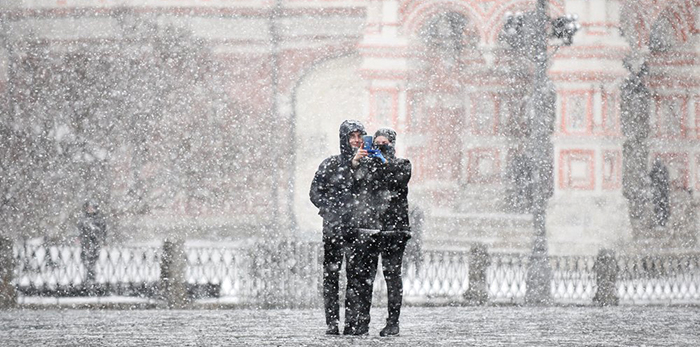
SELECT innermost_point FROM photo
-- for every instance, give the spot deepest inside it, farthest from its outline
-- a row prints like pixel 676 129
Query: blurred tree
pixel 142 123
pixel 634 117
pixel 519 185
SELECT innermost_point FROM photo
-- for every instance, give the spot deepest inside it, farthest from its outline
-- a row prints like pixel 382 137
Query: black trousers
pixel 391 247
pixel 363 253
pixel 363 257
pixel 333 251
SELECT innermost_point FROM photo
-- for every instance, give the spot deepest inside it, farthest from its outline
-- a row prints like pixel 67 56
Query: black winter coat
pixel 331 191
pixel 331 188
pixel 398 175
pixel 382 194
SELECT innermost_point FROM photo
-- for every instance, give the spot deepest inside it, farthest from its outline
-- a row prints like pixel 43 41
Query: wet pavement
pixel 420 326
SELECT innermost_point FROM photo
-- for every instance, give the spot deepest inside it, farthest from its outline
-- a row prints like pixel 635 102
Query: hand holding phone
pixel 368 145
pixel 368 142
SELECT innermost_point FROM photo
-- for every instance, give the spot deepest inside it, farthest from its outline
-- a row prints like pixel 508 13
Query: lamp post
pixel 528 34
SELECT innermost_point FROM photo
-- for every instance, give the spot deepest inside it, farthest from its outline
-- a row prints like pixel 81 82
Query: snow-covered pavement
pixel 421 326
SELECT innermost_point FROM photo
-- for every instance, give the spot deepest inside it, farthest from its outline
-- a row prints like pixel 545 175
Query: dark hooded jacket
pixel 382 189
pixel 331 188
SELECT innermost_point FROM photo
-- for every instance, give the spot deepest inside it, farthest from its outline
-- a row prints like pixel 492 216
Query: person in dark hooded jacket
pixel 331 192
pixel 382 227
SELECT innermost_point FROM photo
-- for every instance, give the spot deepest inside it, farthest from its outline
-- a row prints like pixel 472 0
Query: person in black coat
pixel 93 232
pixel 331 192
pixel 382 227
pixel 395 227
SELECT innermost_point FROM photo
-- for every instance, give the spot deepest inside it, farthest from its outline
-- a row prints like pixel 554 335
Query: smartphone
pixel 368 142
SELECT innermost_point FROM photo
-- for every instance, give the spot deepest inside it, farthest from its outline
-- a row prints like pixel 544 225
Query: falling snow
pixel 537 130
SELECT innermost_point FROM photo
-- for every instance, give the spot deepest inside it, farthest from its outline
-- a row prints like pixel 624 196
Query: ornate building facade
pixel 441 73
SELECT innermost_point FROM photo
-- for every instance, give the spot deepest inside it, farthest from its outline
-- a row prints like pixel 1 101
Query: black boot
pixel 332 329
pixel 361 330
pixel 390 329
pixel 357 331
pixel 349 329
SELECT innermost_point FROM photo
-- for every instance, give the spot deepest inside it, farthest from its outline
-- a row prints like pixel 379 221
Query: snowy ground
pixel 421 326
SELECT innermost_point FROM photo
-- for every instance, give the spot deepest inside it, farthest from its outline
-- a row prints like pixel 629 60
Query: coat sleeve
pixel 399 173
pixel 319 187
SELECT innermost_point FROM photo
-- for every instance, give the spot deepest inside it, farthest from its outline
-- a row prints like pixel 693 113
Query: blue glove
pixel 368 145
pixel 375 153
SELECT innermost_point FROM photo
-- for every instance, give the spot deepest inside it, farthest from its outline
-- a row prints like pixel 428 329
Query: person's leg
pixel 369 272
pixel 392 250
pixel 332 262
pixel 352 288
pixel 361 266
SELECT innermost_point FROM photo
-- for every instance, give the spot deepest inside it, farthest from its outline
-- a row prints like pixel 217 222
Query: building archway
pixel 325 96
